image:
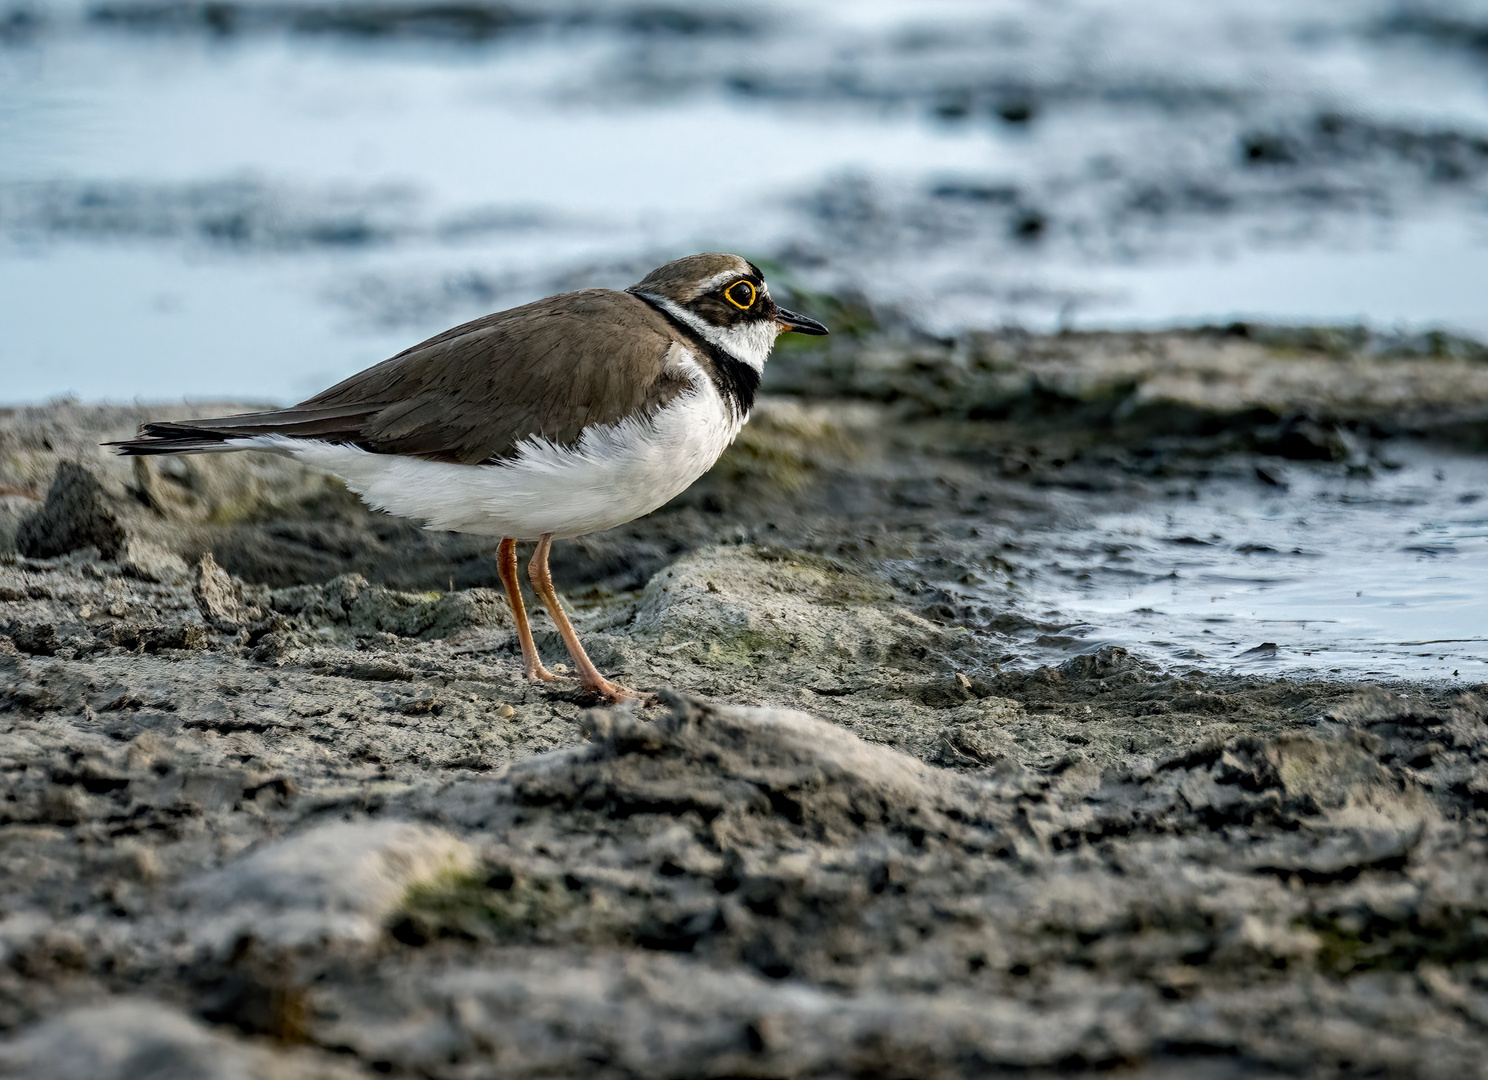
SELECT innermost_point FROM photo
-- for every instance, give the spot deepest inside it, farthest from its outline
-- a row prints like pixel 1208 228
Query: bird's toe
pixel 612 693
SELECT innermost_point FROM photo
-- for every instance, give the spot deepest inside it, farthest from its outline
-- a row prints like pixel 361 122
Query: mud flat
pixel 275 802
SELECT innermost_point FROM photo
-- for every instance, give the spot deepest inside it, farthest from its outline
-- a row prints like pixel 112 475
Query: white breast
pixel 614 474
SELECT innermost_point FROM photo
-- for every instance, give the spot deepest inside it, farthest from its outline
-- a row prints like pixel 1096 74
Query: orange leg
pixel 506 566
pixel 542 583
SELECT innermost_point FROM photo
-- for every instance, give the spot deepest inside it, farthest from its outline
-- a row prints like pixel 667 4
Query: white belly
pixel 613 475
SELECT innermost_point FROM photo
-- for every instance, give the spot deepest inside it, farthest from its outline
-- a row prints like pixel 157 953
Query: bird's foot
pixel 538 673
pixel 612 693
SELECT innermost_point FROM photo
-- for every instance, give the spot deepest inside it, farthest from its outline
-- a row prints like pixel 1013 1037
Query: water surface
pixel 218 200
pixel 1321 569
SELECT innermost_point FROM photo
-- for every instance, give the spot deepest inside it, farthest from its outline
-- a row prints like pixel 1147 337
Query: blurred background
pixel 252 199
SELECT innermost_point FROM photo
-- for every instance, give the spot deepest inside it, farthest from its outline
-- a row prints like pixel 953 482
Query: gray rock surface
pixel 219 599
pixel 384 842
pixel 317 825
pixel 149 1040
pixel 151 562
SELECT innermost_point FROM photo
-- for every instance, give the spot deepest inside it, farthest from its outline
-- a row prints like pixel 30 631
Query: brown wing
pixel 472 393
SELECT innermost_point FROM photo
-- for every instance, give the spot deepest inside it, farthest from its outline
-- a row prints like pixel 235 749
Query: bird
pixel 559 418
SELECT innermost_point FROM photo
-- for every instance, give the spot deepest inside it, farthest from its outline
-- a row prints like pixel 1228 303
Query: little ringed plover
pixel 558 418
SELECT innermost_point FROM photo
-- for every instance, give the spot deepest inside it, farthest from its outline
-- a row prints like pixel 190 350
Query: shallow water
pixel 1328 570
pixel 219 200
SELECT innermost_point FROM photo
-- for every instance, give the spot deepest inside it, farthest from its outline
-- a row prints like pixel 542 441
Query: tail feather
pixel 157 442
pixel 209 436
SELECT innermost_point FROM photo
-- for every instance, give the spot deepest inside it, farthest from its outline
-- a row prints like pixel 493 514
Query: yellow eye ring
pixel 732 294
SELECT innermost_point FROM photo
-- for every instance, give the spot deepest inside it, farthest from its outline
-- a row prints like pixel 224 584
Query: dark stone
pixel 38 639
pixel 74 516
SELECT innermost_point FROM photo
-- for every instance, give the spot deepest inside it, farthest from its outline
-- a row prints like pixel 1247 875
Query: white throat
pixel 749 344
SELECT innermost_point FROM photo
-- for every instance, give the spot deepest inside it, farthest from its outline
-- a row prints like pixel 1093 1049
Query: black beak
pixel 790 321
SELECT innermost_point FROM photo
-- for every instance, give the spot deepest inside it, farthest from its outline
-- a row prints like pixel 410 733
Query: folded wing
pixel 473 393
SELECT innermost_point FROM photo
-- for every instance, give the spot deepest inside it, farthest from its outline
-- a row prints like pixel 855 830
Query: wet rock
pixel 38 639
pixel 975 745
pixel 1329 773
pixel 152 639
pixel 1302 439
pixel 661 1015
pixel 938 857
pixel 76 515
pixel 1106 662
pixel 1344 847
pixel 1268 389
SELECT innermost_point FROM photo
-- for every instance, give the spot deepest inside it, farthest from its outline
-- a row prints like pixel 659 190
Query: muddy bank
pixel 879 433
pixel 275 801
pixel 343 827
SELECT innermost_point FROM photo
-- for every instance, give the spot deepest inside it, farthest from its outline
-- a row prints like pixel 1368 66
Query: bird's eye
pixel 740 294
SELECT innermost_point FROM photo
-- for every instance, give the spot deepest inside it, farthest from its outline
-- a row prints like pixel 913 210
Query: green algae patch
pixel 824 579
pixel 492 903
pixel 746 647
pixel 1351 943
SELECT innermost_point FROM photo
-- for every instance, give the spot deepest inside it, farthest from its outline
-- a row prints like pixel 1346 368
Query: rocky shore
pixel 275 801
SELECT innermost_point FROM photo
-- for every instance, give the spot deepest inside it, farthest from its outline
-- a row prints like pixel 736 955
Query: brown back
pixel 471 394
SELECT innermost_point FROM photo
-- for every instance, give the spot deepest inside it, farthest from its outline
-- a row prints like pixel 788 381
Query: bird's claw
pixel 612 693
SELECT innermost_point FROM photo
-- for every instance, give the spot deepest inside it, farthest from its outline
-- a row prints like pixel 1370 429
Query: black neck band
pixel 737 381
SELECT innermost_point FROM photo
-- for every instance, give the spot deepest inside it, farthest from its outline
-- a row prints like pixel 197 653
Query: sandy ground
pixel 275 801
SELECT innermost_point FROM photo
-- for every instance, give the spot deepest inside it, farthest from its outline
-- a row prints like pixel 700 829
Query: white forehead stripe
pixel 718 279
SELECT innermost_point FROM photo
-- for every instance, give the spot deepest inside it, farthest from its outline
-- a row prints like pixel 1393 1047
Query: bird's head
pixel 725 299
